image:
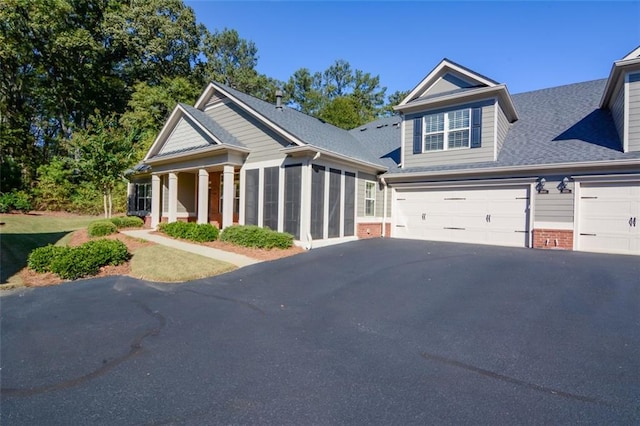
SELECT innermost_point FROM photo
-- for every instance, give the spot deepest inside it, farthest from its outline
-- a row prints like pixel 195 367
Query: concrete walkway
pixel 238 260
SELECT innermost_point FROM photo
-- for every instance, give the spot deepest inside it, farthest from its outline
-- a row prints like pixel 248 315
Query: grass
pixel 22 233
pixel 177 265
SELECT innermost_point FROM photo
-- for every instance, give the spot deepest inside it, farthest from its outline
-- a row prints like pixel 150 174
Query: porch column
pixel 155 200
pixel 228 195
pixel 173 197
pixel 203 196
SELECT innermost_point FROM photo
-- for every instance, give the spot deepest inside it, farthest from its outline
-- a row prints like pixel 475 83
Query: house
pixel 463 161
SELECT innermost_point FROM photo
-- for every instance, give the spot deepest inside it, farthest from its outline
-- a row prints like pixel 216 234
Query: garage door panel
pixel 483 216
pixel 606 218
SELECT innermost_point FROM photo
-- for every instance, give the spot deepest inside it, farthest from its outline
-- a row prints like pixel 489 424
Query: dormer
pixel 622 97
pixel 454 116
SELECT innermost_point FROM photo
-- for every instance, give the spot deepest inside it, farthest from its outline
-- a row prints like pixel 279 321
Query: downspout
pixel 309 244
pixel 384 207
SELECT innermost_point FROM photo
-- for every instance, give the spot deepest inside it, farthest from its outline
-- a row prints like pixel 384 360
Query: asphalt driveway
pixel 371 332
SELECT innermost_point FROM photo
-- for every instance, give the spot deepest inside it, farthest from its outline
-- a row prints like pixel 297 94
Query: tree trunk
pixel 104 201
pixel 110 204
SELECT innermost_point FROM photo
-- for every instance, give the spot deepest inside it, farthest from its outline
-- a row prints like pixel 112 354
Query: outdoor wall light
pixel 562 186
pixel 540 186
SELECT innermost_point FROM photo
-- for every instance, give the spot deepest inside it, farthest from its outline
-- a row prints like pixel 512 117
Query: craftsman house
pixel 463 161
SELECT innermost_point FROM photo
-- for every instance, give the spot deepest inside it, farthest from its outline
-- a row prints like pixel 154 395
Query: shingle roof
pixel 382 137
pixel 309 129
pixel 557 125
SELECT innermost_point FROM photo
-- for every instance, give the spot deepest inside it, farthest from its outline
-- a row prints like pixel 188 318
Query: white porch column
pixel 228 195
pixel 173 197
pixel 155 200
pixel 203 196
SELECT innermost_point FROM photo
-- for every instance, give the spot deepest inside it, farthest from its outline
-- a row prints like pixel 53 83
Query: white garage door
pixel 609 218
pixel 497 216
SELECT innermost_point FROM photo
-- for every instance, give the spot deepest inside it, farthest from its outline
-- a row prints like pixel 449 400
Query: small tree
pixel 104 151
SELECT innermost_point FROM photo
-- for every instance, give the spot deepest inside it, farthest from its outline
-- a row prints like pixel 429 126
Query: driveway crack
pixel 134 348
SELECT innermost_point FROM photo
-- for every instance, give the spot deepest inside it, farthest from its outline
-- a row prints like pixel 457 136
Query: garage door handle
pixel 631 221
pixel 587 235
pixel 634 222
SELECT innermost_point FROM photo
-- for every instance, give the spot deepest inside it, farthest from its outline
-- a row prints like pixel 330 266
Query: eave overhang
pixel 313 151
pixel 618 69
pixel 196 153
pixel 499 91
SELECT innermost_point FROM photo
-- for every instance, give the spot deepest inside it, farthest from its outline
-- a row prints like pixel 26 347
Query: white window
pixel 450 130
pixel 143 197
pixel 369 198
pixel 236 194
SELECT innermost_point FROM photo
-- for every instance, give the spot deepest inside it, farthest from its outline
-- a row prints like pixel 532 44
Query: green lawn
pixel 21 233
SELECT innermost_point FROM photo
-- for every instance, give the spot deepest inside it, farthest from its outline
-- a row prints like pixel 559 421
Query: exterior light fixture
pixel 563 186
pixel 540 186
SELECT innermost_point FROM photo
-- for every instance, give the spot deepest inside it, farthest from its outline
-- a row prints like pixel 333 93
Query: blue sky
pixel 526 45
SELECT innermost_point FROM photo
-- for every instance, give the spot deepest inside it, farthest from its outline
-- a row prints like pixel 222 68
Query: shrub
pixel 75 262
pixel 127 222
pixel 15 200
pixel 101 228
pixel 203 232
pixel 254 236
pixel 40 259
pixel 190 231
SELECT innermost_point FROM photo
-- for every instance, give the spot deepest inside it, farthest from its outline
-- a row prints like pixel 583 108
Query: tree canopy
pixel 74 72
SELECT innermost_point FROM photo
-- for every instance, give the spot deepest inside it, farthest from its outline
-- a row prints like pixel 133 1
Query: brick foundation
pixel 372 230
pixel 560 239
pixel 147 221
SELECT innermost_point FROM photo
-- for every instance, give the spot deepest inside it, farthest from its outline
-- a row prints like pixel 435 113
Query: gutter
pixel 507 169
pixel 384 207
pixel 342 157
pixel 197 153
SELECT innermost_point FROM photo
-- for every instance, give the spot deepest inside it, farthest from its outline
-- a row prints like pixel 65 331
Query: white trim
pixel 576 214
pixel 338 158
pixel 402 140
pixel 446 131
pixel 281 194
pixel 342 199
pixel 441 68
pixel 495 129
pixel 218 104
pixel 260 196
pixel 627 177
pixel 465 183
pixel 326 242
pixel 369 219
pixel 626 112
pixel 325 218
pixel 375 184
pixel 558 226
pixel 162 133
pixel 531 207
pixel 533 168
pixel 633 54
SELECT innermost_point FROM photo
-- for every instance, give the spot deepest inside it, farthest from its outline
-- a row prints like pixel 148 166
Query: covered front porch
pixel 204 195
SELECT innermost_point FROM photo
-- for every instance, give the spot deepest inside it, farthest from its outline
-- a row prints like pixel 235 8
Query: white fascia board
pixel 196 153
pixel 282 132
pixel 341 157
pixel 204 129
pixel 617 68
pixel 500 91
pixel 436 73
pixel 507 169
pixel 204 97
pixel 633 54
pixel 164 132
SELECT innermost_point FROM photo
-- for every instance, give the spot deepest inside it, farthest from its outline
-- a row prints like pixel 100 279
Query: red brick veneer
pixel 561 239
pixel 372 230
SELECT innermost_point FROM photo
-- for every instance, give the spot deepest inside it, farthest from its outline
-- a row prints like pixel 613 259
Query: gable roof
pixel 560 125
pixel 212 132
pixel 445 66
pixel 304 129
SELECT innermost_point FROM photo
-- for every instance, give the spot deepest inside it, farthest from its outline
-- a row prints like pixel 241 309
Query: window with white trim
pixel 369 198
pixel 450 130
pixel 143 197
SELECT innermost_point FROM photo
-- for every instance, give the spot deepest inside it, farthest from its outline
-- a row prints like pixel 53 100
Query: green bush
pixel 75 262
pixel 190 231
pixel 15 200
pixel 203 232
pixel 254 236
pixel 40 259
pixel 101 228
pixel 127 222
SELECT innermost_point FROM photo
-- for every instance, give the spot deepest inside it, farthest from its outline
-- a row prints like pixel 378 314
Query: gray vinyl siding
pixel 447 83
pixel 554 206
pixel 215 98
pixel 634 112
pixel 362 177
pixel 455 156
pixel 186 134
pixel 186 192
pixel 263 142
pixel 617 111
pixel 503 128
